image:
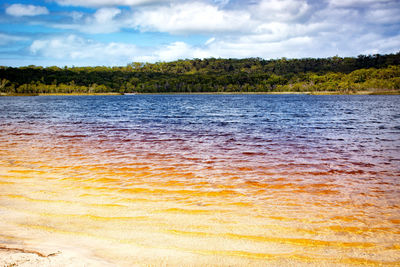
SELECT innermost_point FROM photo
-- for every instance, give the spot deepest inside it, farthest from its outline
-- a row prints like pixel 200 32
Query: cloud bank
pixel 214 28
pixel 99 3
pixel 191 18
pixel 80 51
pixel 20 10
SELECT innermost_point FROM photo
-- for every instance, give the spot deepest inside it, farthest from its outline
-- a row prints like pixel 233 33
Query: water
pixel 204 179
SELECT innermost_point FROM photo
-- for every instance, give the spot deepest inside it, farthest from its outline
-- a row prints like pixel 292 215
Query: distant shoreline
pixel 60 94
pixel 333 75
pixel 281 93
pixel 217 93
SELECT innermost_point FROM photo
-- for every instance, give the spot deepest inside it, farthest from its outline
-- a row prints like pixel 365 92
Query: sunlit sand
pixel 138 214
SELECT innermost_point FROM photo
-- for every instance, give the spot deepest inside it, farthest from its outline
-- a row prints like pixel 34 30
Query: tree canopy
pixel 349 74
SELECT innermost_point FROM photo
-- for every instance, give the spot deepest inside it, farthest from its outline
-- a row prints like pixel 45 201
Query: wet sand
pixel 173 218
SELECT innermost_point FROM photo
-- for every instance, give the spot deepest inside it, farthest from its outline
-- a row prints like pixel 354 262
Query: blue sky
pixel 118 32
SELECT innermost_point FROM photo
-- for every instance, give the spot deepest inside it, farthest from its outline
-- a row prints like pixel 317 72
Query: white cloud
pixel 180 18
pixel 6 39
pixel 291 47
pixel 384 15
pixel 80 51
pixel 280 10
pixel 191 17
pixel 98 3
pixel 246 47
pixel 76 16
pixel 221 2
pixel 264 28
pixel 379 44
pixel 180 50
pixel 235 29
pixel 106 14
pixel 174 51
pixel 355 3
pixel 268 17
pixel 20 10
pixel 209 41
pixel 104 20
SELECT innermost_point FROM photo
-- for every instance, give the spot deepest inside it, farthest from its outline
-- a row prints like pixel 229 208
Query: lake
pixel 203 179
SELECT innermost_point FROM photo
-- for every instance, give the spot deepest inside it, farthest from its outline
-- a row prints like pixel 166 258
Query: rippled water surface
pixel 204 179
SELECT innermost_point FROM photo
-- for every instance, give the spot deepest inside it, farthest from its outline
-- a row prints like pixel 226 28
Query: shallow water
pixel 204 179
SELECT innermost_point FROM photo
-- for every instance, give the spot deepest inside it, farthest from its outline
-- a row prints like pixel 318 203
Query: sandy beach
pixel 12 256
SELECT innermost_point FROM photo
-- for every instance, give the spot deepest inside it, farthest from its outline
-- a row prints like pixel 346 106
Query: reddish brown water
pixel 204 180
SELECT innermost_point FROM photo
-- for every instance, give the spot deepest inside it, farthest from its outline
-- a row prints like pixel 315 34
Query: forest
pixel 373 73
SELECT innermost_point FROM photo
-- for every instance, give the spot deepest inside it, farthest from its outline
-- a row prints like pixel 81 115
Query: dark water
pixel 281 158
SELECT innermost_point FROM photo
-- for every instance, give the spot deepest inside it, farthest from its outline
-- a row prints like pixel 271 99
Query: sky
pixel 119 32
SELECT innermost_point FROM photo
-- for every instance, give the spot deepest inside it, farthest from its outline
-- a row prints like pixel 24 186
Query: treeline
pixel 350 74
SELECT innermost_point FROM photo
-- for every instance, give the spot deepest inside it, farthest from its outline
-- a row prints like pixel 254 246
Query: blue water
pixel 362 132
